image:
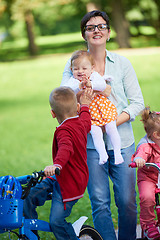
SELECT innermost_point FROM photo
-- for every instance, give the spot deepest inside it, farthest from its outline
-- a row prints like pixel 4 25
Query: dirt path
pixel 138 51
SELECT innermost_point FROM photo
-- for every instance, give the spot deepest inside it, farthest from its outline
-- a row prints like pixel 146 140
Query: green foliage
pixel 58 16
pixel 54 19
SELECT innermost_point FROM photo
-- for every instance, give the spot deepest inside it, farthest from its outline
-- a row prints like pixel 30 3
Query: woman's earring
pixel 108 39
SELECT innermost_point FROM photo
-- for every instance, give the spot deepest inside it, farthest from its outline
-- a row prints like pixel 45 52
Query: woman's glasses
pixel 92 28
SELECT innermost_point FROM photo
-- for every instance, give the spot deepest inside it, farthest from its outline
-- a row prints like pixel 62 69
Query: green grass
pixel 26 126
pixel 64 43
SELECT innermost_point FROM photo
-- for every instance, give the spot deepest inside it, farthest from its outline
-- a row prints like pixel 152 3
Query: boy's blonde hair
pixel 81 54
pixel 151 121
pixel 63 102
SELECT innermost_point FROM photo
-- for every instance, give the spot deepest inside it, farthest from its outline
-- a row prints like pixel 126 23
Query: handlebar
pixel 155 165
pixel 57 171
pixel 29 181
pixel 133 165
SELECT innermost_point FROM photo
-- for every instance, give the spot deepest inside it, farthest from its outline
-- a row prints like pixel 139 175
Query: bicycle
pixel 157 192
pixel 12 194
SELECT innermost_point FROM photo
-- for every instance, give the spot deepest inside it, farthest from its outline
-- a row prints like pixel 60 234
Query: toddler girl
pixel 148 151
pixel 102 110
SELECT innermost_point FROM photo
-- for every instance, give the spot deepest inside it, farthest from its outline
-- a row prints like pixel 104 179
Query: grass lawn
pixel 26 126
pixel 64 43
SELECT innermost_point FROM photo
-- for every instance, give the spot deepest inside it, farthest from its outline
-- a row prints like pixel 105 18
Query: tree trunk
pixel 157 25
pixel 29 20
pixel 92 6
pixel 120 24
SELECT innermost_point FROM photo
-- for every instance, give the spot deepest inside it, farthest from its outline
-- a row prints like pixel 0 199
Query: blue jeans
pixel 124 179
pixel 37 197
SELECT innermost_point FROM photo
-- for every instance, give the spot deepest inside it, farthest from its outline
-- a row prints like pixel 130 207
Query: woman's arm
pixel 122 118
pixel 99 84
pixel 132 91
pixel 107 91
pixel 67 74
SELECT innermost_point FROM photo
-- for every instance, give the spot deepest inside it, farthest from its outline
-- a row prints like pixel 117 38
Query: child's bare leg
pixel 112 132
pixel 99 144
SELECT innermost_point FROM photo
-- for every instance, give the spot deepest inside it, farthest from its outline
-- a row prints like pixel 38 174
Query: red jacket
pixel 69 153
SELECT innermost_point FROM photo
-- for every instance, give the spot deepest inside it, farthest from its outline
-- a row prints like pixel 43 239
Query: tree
pixel 29 21
pixel 157 25
pixel 22 11
pixel 116 9
pixel 120 24
pixel 152 14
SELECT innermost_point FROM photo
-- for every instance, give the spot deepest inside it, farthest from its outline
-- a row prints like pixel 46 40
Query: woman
pixel 129 102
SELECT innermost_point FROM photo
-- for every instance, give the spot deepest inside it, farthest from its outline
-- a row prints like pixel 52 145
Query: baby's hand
pixel 82 84
pixel 85 78
pixel 88 84
pixel 140 162
pixel 85 82
pixel 87 96
pixel 49 170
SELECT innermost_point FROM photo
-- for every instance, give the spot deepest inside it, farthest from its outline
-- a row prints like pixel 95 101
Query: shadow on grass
pixel 6 104
pixel 20 53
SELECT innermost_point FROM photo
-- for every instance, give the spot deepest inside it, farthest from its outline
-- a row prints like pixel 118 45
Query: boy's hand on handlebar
pixel 140 162
pixel 50 170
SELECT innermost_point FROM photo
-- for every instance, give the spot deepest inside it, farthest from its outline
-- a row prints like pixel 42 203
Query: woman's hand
pixel 122 118
pixel 106 92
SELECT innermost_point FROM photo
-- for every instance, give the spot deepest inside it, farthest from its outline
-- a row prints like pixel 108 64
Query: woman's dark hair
pixel 89 15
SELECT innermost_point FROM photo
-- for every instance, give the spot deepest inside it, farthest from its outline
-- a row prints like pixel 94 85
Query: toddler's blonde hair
pixel 81 54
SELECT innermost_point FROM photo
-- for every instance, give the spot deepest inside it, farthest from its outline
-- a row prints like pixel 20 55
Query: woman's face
pixel 96 37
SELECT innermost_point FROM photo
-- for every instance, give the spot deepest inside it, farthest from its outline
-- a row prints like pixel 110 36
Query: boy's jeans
pixel 123 179
pixel 37 197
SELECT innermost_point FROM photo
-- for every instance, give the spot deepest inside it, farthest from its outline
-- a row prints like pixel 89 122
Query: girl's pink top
pixel 150 152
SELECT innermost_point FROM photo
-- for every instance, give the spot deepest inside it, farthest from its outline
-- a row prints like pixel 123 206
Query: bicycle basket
pixel 11 204
pixel 10 188
pixel 11 213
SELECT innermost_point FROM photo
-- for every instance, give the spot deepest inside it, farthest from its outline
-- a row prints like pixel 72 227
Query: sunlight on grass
pixel 60 38
pixel 15 44
pixel 66 43
pixel 45 40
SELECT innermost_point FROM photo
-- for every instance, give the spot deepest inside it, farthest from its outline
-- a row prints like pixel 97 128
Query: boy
pixel 69 154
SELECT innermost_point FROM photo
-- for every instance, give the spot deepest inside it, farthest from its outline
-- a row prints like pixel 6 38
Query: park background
pixel 36 39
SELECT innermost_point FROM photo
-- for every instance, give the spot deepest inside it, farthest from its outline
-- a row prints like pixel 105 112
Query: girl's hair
pixel 151 121
pixel 81 54
pixel 89 15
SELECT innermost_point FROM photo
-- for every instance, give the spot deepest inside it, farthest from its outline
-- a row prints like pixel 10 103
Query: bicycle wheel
pixel 89 233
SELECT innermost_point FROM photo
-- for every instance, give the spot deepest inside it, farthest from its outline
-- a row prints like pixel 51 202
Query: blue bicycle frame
pixel 11 215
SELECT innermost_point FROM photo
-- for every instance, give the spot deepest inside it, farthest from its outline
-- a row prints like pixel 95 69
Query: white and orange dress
pixel 103 113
